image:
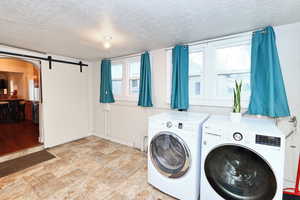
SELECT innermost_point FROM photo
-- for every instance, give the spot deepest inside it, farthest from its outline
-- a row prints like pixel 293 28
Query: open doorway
pixel 20 96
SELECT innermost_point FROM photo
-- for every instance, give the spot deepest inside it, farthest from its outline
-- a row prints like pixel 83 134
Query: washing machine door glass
pixel 237 173
pixel 170 155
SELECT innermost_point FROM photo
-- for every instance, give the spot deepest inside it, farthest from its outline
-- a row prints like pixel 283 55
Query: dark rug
pixel 18 164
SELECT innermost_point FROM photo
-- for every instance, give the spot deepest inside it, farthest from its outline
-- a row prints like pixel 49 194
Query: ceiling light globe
pixel 107 45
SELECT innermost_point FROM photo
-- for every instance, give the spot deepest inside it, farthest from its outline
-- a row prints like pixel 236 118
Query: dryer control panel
pixel 268 140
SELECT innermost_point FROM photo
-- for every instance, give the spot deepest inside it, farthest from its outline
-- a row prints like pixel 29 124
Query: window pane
pixel 117 87
pixel 116 71
pixel 195 63
pixel 195 86
pixel 134 69
pixel 226 83
pixel 233 59
pixel 134 86
pixel 195 71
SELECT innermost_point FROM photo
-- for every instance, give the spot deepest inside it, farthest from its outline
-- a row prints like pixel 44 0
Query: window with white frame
pixel 213 69
pixel 233 63
pixel 125 78
pixel 117 78
pixel 134 77
pixel 195 74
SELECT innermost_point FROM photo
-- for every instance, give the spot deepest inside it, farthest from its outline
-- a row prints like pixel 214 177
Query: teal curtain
pixel 106 95
pixel 145 98
pixel 180 78
pixel 268 95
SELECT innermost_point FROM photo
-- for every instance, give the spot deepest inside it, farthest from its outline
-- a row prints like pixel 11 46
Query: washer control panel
pixel 175 125
pixel 180 126
pixel 268 140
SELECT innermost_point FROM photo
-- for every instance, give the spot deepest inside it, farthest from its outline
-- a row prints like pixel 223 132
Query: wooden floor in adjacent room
pixel 88 169
pixel 18 136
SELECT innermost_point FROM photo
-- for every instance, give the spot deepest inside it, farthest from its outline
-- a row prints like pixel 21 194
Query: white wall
pixel 66 113
pixel 126 123
pixel 288 44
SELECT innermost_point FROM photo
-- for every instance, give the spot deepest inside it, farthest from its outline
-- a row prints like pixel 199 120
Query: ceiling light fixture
pixel 106 43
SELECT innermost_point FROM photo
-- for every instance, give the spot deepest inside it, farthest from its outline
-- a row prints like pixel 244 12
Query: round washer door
pixel 170 155
pixel 237 173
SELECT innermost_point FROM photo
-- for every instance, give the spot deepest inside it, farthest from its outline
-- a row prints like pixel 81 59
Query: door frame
pixel 38 64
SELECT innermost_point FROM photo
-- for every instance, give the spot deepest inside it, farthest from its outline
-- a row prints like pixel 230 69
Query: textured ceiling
pixel 77 28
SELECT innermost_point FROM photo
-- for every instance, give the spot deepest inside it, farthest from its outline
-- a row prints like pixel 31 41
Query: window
pixel 117 78
pixel 134 78
pixel 126 78
pixel 233 63
pixel 213 69
pixel 195 73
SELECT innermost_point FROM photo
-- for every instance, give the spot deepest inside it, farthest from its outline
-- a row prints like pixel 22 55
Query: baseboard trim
pixel 47 145
pixel 92 134
pixel 113 139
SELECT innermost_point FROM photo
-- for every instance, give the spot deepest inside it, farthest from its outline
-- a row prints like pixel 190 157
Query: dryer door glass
pixel 169 154
pixel 239 174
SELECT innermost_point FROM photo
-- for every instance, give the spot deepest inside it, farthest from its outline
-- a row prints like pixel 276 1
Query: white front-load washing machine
pixel 241 161
pixel 174 153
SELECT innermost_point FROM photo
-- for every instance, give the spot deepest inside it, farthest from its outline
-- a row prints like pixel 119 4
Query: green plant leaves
pixel 237 97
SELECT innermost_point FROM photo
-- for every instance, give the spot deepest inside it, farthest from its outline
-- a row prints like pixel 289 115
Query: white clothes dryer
pixel 174 153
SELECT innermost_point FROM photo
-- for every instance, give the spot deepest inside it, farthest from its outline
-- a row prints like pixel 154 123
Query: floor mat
pixel 18 164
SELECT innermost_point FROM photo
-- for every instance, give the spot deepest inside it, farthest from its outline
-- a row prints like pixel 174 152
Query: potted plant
pixel 236 114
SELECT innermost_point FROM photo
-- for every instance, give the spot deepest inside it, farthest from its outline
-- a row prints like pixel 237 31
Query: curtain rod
pixel 230 36
pixel 127 55
pixel 49 58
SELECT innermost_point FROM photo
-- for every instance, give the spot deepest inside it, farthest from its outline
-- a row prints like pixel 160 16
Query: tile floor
pixel 88 169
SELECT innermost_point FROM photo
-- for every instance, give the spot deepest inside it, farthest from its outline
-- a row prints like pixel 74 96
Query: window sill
pixel 130 101
pixel 225 103
pixel 126 98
